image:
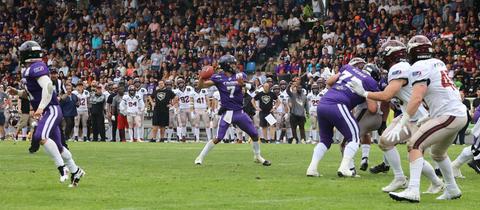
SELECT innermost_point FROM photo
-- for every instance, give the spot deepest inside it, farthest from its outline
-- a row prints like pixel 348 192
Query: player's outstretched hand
pixel 357 87
pixel 38 114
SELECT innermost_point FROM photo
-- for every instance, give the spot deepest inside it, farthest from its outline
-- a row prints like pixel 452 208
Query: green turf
pixel 162 176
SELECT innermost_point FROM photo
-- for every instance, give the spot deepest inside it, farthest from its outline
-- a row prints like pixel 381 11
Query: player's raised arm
pixel 331 80
pixel 205 83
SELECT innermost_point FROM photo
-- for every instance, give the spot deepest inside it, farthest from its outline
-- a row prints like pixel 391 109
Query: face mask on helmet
pixel 419 48
pixel 283 85
pixel 357 62
pixel 30 51
pixel 181 84
pixel 373 70
pixel 228 63
pixel 390 53
pixel 315 90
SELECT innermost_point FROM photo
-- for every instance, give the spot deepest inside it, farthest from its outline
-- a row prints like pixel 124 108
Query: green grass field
pixel 162 176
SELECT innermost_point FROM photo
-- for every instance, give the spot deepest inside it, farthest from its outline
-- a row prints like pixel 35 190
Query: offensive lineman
pixel 334 111
pixel 43 99
pixel 229 84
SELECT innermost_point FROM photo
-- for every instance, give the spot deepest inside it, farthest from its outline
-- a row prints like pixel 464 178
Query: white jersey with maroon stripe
pixel 442 97
pixel 200 99
pixel 313 100
pixel 184 97
pixel 132 105
pixel 82 100
pixel 402 70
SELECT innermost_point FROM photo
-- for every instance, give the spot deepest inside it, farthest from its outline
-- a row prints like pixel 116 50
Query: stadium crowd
pixel 99 49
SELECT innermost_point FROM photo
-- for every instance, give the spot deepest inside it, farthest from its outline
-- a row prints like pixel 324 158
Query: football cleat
pixel 344 172
pixel 364 164
pixel 450 194
pixel 380 168
pixel 396 184
pixel 435 188
pixel 198 161
pixel 312 173
pixel 259 159
pixel 475 165
pixel 76 177
pixel 406 195
pixel 63 173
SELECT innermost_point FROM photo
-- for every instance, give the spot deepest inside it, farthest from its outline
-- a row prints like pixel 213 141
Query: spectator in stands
pixel 3 104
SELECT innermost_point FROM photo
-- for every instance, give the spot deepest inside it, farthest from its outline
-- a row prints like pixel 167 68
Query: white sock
pixel 196 131
pixel 351 165
pixel 130 133
pixel 318 153
pixel 310 134
pixel 24 132
pixel 206 149
pixel 386 161
pixel 350 150
pixel 289 133
pixel 184 132
pixel 52 150
pixel 179 133
pixel 415 172
pixel 169 134
pixel 256 151
pixel 68 159
pixel 75 131
pixel 84 131
pixel 209 133
pixel 446 168
pixel 464 156
pixel 365 150
pixel 393 158
pixel 138 133
pixel 278 133
pixel 429 172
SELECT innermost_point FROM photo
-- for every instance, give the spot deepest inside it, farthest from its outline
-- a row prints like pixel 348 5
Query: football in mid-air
pixel 206 72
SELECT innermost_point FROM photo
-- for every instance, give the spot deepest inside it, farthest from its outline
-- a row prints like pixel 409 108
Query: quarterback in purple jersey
pixel 229 84
pixel 334 109
pixel 43 99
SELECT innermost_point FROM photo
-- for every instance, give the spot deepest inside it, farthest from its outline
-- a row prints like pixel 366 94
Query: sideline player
pixel 334 111
pixel 313 100
pixel 132 106
pixel 185 108
pixel 40 92
pixel 229 84
pixel 82 112
pixel 142 93
pixel 199 98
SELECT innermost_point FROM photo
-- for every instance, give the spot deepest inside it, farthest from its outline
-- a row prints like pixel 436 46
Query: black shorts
pixel 263 121
pixel 160 118
pixel 2 118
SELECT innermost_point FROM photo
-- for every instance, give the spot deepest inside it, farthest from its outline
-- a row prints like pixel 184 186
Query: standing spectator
pixel 112 117
pixel 161 100
pixel 3 105
pixel 476 101
pixel 131 44
pixel 266 100
pixel 97 102
pixel 298 104
pixel 461 134
pixel 25 118
pixel 68 103
pixel 57 83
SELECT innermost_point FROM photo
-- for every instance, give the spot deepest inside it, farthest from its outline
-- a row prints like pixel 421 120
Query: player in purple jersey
pixel 43 99
pixel 471 153
pixel 229 84
pixel 334 110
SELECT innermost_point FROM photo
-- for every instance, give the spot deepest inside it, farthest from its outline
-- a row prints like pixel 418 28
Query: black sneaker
pixel 438 172
pixel 266 163
pixel 380 168
pixel 63 173
pixel 364 164
pixel 75 177
pixel 153 140
pixel 475 165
